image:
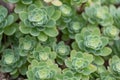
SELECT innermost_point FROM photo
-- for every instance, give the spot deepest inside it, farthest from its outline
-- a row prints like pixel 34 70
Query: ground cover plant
pixel 60 39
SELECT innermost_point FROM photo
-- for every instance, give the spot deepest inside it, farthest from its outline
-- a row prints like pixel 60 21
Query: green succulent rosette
pixel 42 70
pixel 106 76
pixel 115 47
pixel 114 66
pixel 26 45
pixel 39 21
pixel 43 53
pixel 112 32
pixel 67 74
pixel 73 27
pixel 81 63
pixel 66 15
pixel 97 14
pixel 7 22
pixel 12 63
pixel 62 51
pixel 91 40
pixel 115 14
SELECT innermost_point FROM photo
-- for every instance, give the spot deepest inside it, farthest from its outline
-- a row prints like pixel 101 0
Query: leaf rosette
pixel 12 63
pixel 112 32
pixel 38 17
pixel 114 67
pixel 42 70
pixel 7 22
pixel 67 74
pixel 39 21
pixel 81 63
pixel 26 45
pixel 97 14
pixel 115 14
pixel 106 76
pixel 41 53
pixel 90 40
pixel 93 42
pixel 115 47
pixel 62 51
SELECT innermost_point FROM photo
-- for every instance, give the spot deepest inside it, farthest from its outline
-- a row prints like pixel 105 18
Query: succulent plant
pixel 42 70
pixel 90 40
pixel 81 63
pixel 96 14
pixel 26 45
pixel 115 48
pixel 112 32
pixel 41 53
pixel 12 63
pixel 74 26
pixel 39 21
pixel 62 51
pixel 67 74
pixel 115 14
pixel 114 68
pixel 60 39
pixel 7 22
pixel 106 76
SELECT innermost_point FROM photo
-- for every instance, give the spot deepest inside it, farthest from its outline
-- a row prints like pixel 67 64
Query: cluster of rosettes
pixel 61 39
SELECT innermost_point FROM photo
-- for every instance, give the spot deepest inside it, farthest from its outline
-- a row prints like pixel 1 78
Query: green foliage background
pixel 60 39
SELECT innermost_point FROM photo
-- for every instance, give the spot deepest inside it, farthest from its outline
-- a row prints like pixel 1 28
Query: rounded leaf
pixel 42 36
pixel 52 32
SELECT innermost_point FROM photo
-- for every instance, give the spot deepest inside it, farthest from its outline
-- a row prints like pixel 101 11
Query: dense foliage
pixel 60 39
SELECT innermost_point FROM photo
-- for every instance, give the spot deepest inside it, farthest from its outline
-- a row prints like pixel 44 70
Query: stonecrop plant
pixel 60 39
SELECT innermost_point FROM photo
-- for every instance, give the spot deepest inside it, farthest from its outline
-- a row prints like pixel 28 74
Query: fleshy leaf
pixel 56 15
pixel 10 30
pixel 42 36
pixel 106 51
pixel 24 29
pixel 23 16
pixel 52 32
pixel 27 1
pixel 34 32
pixel 99 60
